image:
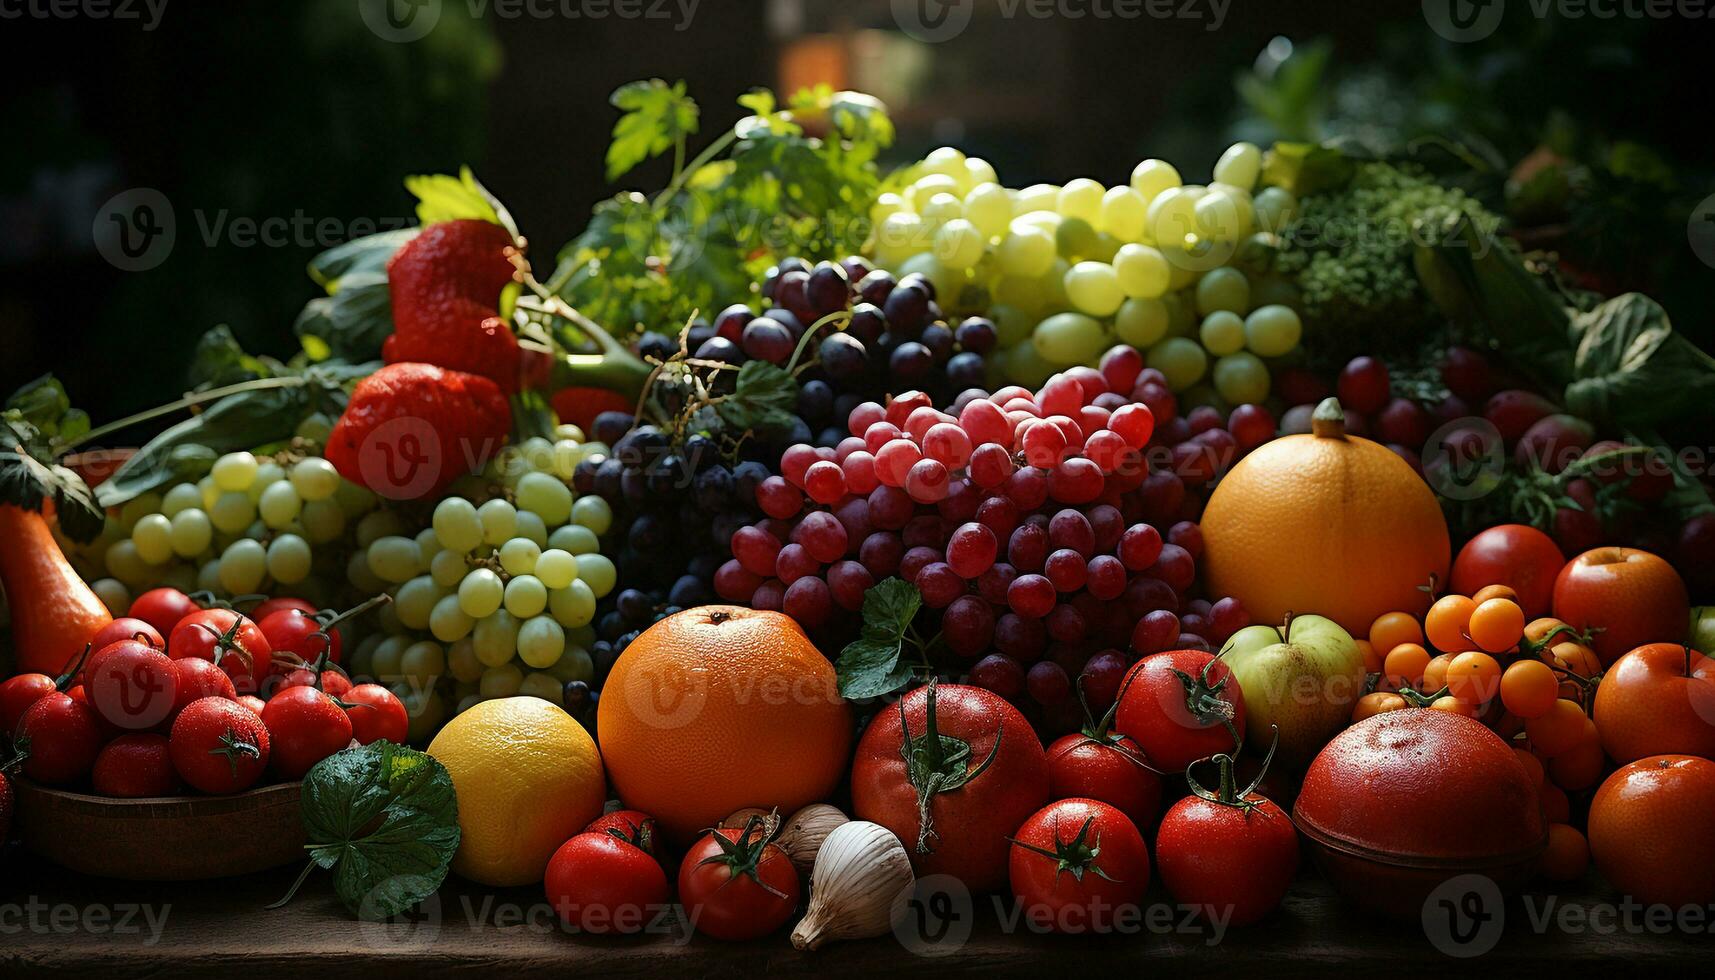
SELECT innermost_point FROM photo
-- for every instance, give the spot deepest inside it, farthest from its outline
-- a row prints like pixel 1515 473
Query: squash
pixel 54 612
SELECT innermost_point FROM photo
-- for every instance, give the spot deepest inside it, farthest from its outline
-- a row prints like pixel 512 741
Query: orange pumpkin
pixel 1324 523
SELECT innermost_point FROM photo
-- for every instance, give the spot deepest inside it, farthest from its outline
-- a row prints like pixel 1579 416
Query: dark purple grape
pixel 607 479
pixel 714 488
pixel 876 286
pixel 966 370
pixel 815 402
pixel 933 314
pixel 786 319
pixel 791 292
pixel 867 323
pixel 746 477
pixel 919 280
pixel 911 363
pixel 690 590
pixel 583 475
pixel 720 349
pixel 731 322
pixel 765 339
pixel 843 357
pixel 828 289
pixel 856 267
pixel 939 340
pixel 610 427
pixel 656 345
pixel 906 309
pixel 976 334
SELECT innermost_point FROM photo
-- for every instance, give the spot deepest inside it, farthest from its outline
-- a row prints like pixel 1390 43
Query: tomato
pixel 162 609
pixel 253 703
pixel 17 694
pixel 1102 765
pixel 599 883
pixel 132 686
pixel 1496 625
pixel 1649 830
pixel 1076 862
pixel 1447 622
pixel 228 639
pixel 5 806
pixel 1557 729
pixel 135 765
pixel 1515 555
pixel 332 680
pixel 1230 853
pixel 1474 677
pixel 219 746
pixel 124 628
pixel 1581 766
pixel 62 736
pixel 306 726
pixel 967 758
pixel 633 826
pixel 198 679
pixel 295 631
pixel 267 607
pixel 376 713
pixel 1657 700
pixel 737 884
pixel 1181 706
pixel 1377 702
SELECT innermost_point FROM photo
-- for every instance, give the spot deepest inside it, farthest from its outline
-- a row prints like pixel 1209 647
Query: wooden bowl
pixel 180 838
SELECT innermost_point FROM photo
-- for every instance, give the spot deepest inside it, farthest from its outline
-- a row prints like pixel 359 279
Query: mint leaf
pixel 385 819
pixel 870 666
pixel 656 117
pixel 763 399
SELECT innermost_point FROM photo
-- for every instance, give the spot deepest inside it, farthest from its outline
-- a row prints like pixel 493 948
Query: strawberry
pixel 445 289
pixel 410 429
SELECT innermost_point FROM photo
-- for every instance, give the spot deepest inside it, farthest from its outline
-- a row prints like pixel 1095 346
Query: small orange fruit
pixel 1496 624
pixel 1448 621
pixel 1391 629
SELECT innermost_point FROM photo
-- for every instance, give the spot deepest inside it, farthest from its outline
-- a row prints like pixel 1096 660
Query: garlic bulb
pixel 861 877
pixel 804 832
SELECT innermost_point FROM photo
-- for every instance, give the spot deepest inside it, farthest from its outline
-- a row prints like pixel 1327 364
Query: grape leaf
pixel 763 399
pixel 871 666
pixel 657 116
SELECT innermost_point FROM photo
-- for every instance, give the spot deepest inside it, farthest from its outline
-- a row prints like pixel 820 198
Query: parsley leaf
pixel 871 666
pixel 657 117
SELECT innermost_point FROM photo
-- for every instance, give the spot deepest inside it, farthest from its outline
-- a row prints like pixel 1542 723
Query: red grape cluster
pixel 1031 522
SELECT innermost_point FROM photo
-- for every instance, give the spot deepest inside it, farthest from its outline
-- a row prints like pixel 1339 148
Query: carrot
pixel 53 611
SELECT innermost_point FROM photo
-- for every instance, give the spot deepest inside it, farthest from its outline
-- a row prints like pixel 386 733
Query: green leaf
pixel 763 400
pixel 532 417
pixel 385 819
pixel 356 316
pixel 218 360
pixel 656 117
pixel 1632 370
pixel 870 666
pixel 1306 168
pixel 441 197
pixel 36 423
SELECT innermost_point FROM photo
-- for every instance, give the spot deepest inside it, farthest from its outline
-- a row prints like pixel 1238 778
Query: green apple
pixel 1702 638
pixel 1301 678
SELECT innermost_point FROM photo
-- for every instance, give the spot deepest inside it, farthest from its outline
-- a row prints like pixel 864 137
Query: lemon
pixel 528 777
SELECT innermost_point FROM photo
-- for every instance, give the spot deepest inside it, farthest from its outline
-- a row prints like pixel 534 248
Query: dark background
pixel 254 111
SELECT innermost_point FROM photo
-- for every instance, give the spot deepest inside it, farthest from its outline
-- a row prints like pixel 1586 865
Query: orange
pixel 1649 830
pixel 1324 523
pixel 1568 854
pixel 718 708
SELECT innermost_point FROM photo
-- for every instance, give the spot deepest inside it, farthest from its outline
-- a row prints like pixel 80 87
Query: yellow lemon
pixel 528 777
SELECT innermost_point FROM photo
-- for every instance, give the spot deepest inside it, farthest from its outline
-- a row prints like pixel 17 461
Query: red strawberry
pixel 410 429
pixel 445 289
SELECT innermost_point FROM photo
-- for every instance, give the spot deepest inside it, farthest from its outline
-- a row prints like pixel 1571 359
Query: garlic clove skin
pixel 802 835
pixel 862 876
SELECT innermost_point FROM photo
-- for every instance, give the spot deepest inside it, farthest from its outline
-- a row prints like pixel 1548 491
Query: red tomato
pixel 132 686
pixel 198 679
pixel 162 609
pixel 332 680
pixel 634 826
pixel 1514 555
pixel 219 746
pixel 295 631
pixel 62 735
pixel 125 628
pixel 16 696
pixel 1105 766
pixel 600 884
pixel 254 703
pixel 974 762
pixel 229 640
pixel 307 726
pixel 376 713
pixel 1075 863
pixel 736 884
pixel 135 765
pixel 268 607
pixel 1181 706
pixel 1657 700
pixel 1231 855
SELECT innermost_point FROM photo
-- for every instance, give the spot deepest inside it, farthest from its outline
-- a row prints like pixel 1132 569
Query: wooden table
pixel 56 923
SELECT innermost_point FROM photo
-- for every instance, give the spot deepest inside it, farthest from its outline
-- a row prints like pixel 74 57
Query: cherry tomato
pixel 1581 766
pixel 736 884
pixel 1568 854
pixel 1234 854
pixel 599 883
pixel 124 628
pixel 1474 677
pixel 229 640
pixel 1557 729
pixel 18 693
pixel 162 609
pixel 198 679
pixel 1181 706
pixel 219 746
pixel 1077 862
pixel 1403 665
pixel 292 630
pixel 1447 622
pixel 1496 625
pixel 376 713
pixel 1435 672
pixel 1391 629
pixel 1454 705
pixel 62 736
pixel 268 607
pixel 1108 767
pixel 1529 688
pixel 333 680
pixel 1377 702
pixel 307 726
pixel 133 686
pixel 636 827
pixel 254 703
pixel 135 765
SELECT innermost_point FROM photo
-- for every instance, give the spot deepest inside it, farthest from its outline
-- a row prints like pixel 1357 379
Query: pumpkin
pixel 1325 523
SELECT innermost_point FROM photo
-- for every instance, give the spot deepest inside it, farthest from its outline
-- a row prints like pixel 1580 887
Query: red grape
pixel 1120 367
pixel 1071 529
pixel 971 549
pixel 990 465
pixel 1188 536
pixel 848 581
pixel 1363 385
pixel 993 583
pixel 1105 449
pixel 1155 632
pixel 769 595
pixel 1175 567
pixel 1100 680
pixel 1065 568
pixel 998 514
pixel 1031 596
pixel 900 407
pixel 939 584
pixel 859 470
pixel 880 553
pixel 1251 426
pixel 1191 641
pixel 894 460
pixel 794 562
pixel 927 481
pixel 795 461
pixel 822 535
pixel 880 434
pixel 960 503
pixel 921 420
pixel 890 507
pixel 1105 577
pixel 914 561
pixel 1145 595
pixel 1047 683
pixel 1019 637
pixel 1066 624
pixel 777 498
pixel 1028 488
pixel 925 530
pixel 948 443
pixel 1061 395
pixel 1027 549
pixel 755 549
pixel 1107 524
pixel 968 625
pixel 1158 399
pixel 847 446
pixel 862 416
pixel 825 482
pixel 1044 443
pixel 1075 481
pixel 807 601
pixel 1000 674
pixel 985 421
pixel 735 583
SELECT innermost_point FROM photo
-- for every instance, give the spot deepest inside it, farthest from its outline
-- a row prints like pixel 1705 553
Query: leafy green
pixel 37 422
pixel 384 818
pixel 657 117
pixel 872 665
pixel 442 197
pixel 1631 370
pixel 764 400
pixel 356 315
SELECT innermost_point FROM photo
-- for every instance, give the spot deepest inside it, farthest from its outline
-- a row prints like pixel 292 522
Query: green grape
pixel 946 160
pixel 232 512
pixel 428 545
pixel 182 496
pixel 426 711
pixel 395 558
pixel 532 528
pixel 1222 333
pixel 1080 198
pixel 501 681
pixel 1027 251
pixel 316 427
pixel 447 569
pixel 323 521
pixel 209 492
pixel 899 236
pixel 457 525
pixel 1016 293
pixel 1242 378
pixel 462 662
pixel 289 559
pixel 268 473
pixel 1275 208
pixel 567 455
pixel 1224 214
pixel 525 596
pixel 573 605
pixel 959 244
pixel 1172 216
pixel 423 662
pixel 1181 360
pixel 179 575
pixel 538 451
pixel 568 432
pixel 113 594
pixel 1012 325
pixel 575 539
pixel 235 471
pixel 1094 288
pixel 1036 197
pixel 541 685
pixel 361 661
pixel 153 536
pixel 940 208
pixel 279 504
pixel 124 564
pixel 1123 212
pixel 378 524
pixel 556 568
pixel 208 576
pixel 358 574
pixel 927 186
pixel 1181 318
pixel 1075 238
pixel 314 478
pixel 1141 322
pixel 541 641
pixel 545 496
pixel 388 654
pixel 885 205
pixel 1104 248
pixel 1151 177
pixel 1271 331
pixel 192 532
pixel 583 636
pixel 979 171
pixel 495 638
pixel 575 664
pixel 1239 165
pixel 447 621
pixel 415 600
pixel 499 521
pixel 1026 366
pixel 356 500
pixel 989 209
pixel 1142 270
pixel 480 593
pixel 242 566
pixel 1068 338
pixel 1225 288
pixel 136 508
pixel 594 513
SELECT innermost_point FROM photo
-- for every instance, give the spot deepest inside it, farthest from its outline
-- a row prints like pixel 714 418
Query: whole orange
pixel 1324 523
pixel 1649 830
pixel 1632 596
pixel 718 708
pixel 1656 700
